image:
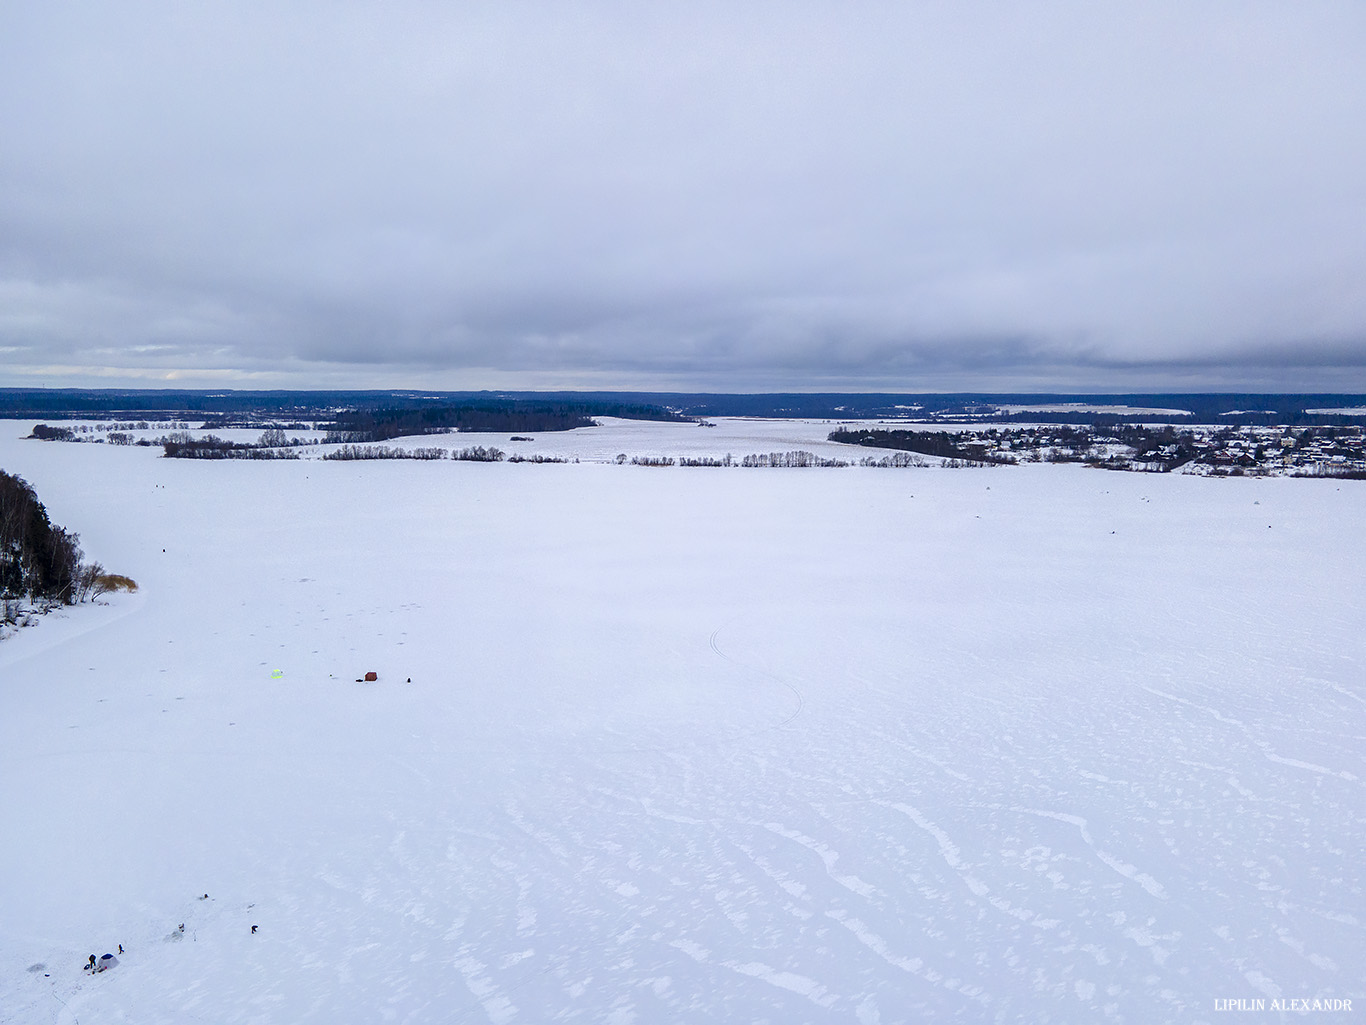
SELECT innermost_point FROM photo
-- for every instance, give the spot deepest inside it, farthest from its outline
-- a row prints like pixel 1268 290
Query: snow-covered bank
pixel 1038 743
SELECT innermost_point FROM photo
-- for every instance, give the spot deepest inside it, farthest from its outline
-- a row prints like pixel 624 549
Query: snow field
pixel 1027 744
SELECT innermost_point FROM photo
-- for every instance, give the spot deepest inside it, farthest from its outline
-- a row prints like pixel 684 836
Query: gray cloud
pixel 611 195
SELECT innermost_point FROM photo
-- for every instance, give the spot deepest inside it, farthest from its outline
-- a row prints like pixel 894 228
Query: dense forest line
pixel 364 425
pixel 222 409
pixel 370 425
pixel 962 445
pixel 38 559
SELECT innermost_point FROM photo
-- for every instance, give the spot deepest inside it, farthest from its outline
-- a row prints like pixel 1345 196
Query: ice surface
pixel 1027 744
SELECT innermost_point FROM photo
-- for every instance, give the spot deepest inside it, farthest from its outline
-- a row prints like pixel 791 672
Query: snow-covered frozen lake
pixel 1025 744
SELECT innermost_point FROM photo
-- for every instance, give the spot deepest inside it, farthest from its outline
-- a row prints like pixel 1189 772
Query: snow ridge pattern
pixel 691 744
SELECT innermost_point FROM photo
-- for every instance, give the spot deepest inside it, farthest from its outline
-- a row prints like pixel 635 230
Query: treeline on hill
pixel 371 425
pixel 40 562
pixel 959 445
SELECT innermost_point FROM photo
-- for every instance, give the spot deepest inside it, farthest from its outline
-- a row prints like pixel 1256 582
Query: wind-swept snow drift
pixel 803 745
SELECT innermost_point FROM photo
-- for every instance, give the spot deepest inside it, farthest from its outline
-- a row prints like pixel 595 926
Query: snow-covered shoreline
pixel 743 442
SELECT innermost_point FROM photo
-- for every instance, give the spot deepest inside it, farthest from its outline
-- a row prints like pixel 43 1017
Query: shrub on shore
pixel 40 562
pixel 790 459
pixel 536 459
pixel 479 454
pixel 351 452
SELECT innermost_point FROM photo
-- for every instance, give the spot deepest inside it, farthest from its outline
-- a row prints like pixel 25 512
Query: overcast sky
pixel 688 196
